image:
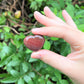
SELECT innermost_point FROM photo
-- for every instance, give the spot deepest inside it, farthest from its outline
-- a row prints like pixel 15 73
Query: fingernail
pixel 46 7
pixel 65 11
pixel 36 12
pixel 35 55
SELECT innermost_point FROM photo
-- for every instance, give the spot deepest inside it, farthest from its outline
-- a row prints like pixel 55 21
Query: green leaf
pixel 21 29
pixel 70 9
pixel 21 36
pixel 48 82
pixel 47 45
pixel 64 82
pixel 58 75
pixel 33 5
pixel 32 60
pixel 20 81
pixel 4 75
pixel 1 30
pixel 47 76
pixel 27 78
pixel 54 38
pixel 5 51
pixel 41 80
pixel 31 74
pixel 8 35
pixel 2 20
pixel 14 62
pixel 81 27
pixel 24 26
pixel 55 11
pixel 65 49
pixel 28 51
pixel 7 29
pixel 14 73
pixel 4 61
pixel 25 66
pixel 81 12
pixel 10 79
pixel 62 3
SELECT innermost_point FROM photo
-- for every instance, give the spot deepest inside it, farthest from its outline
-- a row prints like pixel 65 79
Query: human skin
pixel 73 64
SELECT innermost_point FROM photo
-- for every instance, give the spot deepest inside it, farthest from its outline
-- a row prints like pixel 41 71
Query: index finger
pixel 73 37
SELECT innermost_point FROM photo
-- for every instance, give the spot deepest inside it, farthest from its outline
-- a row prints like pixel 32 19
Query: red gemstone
pixel 35 42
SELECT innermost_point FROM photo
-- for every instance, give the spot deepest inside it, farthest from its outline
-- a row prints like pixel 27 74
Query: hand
pixel 73 64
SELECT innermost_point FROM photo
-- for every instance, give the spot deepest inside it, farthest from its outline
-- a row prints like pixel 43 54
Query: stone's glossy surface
pixel 35 42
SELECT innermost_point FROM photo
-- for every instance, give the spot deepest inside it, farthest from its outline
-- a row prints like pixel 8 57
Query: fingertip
pixel 46 8
pixel 37 14
pixel 64 12
pixel 35 55
pixel 36 30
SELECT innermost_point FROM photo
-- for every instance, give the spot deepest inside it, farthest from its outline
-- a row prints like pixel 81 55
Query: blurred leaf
pixel 7 29
pixel 4 61
pixel 4 75
pixel 28 51
pixel 2 35
pixel 82 7
pixel 54 38
pixel 10 79
pixel 27 78
pixel 8 35
pixel 47 45
pixel 14 73
pixel 65 49
pixel 14 62
pixel 1 30
pixel 58 75
pixel 25 66
pixel 48 82
pixel 81 12
pixel 21 36
pixel 5 51
pixel 2 20
pixel 70 9
pixel 81 27
pixel 47 76
pixel 55 11
pixel 33 5
pixel 62 3
pixel 64 82
pixel 21 29
pixel 54 4
pixel 41 80
pixel 32 60
pixel 31 74
pixel 20 81
pixel 24 26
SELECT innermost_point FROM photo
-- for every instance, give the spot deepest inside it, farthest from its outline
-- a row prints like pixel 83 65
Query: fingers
pixel 51 15
pixel 73 37
pixel 45 20
pixel 68 19
pixel 55 60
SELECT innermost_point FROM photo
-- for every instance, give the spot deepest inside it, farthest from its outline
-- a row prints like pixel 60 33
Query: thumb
pixel 55 60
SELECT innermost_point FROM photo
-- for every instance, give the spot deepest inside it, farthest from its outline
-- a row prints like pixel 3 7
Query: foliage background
pixel 16 66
